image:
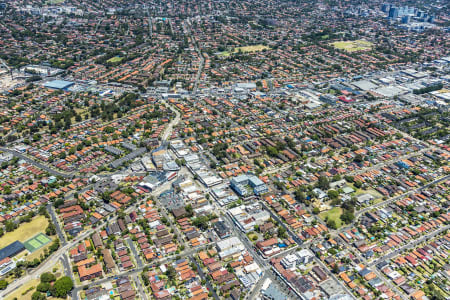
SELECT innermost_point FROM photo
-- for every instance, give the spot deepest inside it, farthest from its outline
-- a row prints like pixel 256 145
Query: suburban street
pixel 135 253
pixel 203 277
pixel 139 286
pixel 386 282
pixel 60 233
pixel 36 163
pixel 187 29
pixel 414 243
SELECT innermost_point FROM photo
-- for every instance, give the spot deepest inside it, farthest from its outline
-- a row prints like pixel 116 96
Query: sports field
pixel 353 46
pixel 37 242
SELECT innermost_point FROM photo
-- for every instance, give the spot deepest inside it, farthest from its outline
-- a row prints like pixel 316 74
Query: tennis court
pixel 36 242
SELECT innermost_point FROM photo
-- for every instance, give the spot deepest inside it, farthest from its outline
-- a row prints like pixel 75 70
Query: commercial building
pixel 230 247
pixel 58 84
pixel 328 99
pixel 241 183
pixel 247 216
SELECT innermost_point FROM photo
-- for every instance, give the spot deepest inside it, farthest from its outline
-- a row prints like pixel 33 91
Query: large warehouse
pixel 58 84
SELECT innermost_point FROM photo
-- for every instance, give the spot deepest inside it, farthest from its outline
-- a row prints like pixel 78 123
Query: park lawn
pixel 245 49
pixel 333 214
pixel 115 59
pixel 352 46
pixel 18 293
pixel 251 236
pixel 79 111
pixel 25 231
pixel 255 48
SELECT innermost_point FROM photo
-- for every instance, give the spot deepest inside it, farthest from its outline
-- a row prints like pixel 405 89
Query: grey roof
pixel 58 84
pixel 11 250
pixel 364 85
pixel 132 155
pixel 272 292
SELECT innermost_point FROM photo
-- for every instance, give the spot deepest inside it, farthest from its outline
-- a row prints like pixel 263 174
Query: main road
pixel 169 129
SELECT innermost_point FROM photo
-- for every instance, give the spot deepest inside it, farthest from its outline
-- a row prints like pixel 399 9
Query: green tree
pixel 171 273
pixel 10 226
pixel 51 229
pixel 358 158
pixel 323 183
pixel 332 224
pixel 3 284
pixel 357 184
pixel 282 232
pixel 300 196
pixel 333 194
pixel 349 178
pixel 347 217
pixel 38 296
pixel 272 151
pixel 337 177
pixel 43 287
pixel 201 222
pixel 62 287
pixel 47 277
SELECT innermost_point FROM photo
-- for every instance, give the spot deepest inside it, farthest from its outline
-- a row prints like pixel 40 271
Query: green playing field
pixel 36 242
